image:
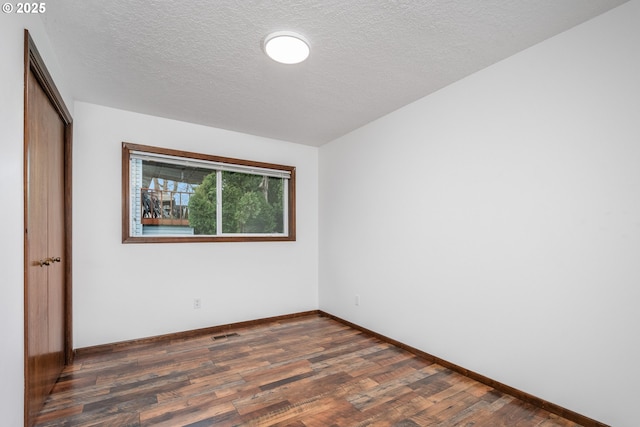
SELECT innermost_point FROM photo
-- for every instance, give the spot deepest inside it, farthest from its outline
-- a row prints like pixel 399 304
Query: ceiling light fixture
pixel 286 47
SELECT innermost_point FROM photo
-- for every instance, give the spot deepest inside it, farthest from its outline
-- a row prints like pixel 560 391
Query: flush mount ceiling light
pixel 286 47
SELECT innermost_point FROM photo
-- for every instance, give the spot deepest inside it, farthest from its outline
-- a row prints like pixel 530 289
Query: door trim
pixel 33 63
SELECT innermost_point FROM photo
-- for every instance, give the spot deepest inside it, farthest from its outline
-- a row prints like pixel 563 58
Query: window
pixel 176 196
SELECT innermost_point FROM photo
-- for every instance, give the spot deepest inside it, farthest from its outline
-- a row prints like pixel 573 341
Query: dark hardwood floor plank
pixel 307 371
pixel 186 412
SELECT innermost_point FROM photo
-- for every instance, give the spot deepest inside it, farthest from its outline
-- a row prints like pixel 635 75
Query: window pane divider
pixel 219 203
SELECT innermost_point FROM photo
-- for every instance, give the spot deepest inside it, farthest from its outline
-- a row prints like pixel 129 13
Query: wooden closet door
pixel 45 237
pixel 56 239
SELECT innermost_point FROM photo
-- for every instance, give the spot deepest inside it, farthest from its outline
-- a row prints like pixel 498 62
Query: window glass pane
pixel 163 196
pixel 252 203
pixel 202 206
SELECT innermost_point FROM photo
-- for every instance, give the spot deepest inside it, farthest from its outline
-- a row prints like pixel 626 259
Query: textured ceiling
pixel 201 61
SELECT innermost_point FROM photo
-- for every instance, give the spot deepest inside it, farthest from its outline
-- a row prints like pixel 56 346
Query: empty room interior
pixel 453 186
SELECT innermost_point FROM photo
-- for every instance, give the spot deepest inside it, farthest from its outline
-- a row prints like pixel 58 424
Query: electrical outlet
pixel 197 303
pixel 357 299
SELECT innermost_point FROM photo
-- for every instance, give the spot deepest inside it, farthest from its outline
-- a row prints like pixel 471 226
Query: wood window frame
pixel 128 148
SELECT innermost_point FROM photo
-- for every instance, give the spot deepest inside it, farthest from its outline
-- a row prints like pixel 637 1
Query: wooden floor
pixel 307 371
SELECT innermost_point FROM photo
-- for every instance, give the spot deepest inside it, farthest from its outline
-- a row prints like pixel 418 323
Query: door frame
pixel 34 64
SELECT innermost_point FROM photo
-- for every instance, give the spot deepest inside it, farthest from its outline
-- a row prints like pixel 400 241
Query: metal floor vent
pixel 219 337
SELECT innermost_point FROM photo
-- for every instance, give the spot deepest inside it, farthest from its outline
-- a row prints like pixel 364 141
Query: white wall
pixel 496 223
pixel 11 215
pixel 127 291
